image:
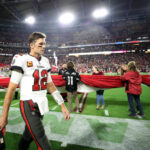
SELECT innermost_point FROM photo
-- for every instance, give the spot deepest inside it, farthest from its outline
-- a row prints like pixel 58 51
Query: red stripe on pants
pixel 26 121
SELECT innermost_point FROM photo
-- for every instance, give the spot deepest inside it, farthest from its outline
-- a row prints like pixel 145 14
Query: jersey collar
pixel 35 57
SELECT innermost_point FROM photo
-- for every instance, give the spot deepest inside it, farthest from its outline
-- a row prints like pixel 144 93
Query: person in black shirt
pixel 63 69
pixel 61 72
pixel 72 77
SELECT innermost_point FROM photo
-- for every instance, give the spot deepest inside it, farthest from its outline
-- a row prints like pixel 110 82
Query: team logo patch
pixel 29 64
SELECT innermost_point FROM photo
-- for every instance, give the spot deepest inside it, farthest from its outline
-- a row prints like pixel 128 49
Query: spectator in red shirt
pixel 133 88
pixel 99 93
pixel 123 70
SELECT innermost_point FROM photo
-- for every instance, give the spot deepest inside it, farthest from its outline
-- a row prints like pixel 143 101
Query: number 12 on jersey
pixel 40 80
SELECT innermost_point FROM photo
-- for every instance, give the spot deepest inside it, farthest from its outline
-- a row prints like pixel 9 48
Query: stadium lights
pixel 66 18
pixel 30 20
pixel 100 13
pixel 96 53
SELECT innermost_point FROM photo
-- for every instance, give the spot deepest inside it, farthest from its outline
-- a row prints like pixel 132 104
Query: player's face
pixel 39 46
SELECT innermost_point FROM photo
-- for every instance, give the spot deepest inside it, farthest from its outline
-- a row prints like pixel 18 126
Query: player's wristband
pixel 49 79
pixel 58 98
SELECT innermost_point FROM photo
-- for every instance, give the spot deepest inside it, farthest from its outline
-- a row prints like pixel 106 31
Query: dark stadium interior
pixel 129 20
pixel 98 69
pixel 48 10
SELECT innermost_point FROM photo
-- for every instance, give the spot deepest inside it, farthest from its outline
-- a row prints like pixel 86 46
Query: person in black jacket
pixel 61 72
pixel 63 69
pixel 72 77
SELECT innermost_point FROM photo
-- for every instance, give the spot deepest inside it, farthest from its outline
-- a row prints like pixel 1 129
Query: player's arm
pixel 15 79
pixel 58 98
pixel 6 105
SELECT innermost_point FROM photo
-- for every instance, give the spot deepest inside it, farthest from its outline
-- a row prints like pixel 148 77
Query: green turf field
pixel 13 144
pixel 92 129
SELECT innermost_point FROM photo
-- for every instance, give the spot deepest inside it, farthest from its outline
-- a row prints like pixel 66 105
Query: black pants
pixel 131 104
pixel 34 129
pixel 100 92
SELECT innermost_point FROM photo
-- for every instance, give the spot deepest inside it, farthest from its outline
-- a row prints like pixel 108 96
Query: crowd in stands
pixel 13 51
pixel 108 63
pixel 66 51
pixel 14 40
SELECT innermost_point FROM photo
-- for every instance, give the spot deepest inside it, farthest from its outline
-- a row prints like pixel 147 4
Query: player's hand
pixel 3 122
pixel 65 112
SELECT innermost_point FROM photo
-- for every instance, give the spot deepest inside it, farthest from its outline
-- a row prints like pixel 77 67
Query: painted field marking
pixel 54 107
pixel 106 112
pixel 15 104
pixel 64 144
pixel 90 131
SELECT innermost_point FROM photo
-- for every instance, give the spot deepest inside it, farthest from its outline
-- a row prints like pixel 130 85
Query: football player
pixel 31 72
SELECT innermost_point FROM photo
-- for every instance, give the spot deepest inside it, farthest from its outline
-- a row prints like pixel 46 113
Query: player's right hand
pixel 65 112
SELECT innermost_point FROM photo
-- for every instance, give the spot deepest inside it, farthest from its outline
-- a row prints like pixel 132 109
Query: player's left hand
pixel 65 112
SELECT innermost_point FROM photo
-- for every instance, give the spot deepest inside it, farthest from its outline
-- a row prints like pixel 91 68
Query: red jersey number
pixel 40 84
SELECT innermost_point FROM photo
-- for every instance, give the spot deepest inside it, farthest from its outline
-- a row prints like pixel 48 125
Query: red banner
pixel 90 80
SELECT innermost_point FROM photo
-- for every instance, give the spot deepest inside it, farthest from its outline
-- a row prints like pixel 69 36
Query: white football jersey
pixel 33 84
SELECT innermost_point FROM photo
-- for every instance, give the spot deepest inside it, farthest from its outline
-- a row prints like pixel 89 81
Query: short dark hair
pixel 70 65
pixel 36 35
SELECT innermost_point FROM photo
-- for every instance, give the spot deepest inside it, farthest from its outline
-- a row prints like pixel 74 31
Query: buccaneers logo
pixel 29 64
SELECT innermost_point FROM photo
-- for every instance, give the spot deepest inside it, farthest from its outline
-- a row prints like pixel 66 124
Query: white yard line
pixel 15 104
pixel 54 107
pixel 106 112
pixel 64 144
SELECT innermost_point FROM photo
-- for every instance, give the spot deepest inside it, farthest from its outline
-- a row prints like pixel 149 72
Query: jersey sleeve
pixel 17 64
